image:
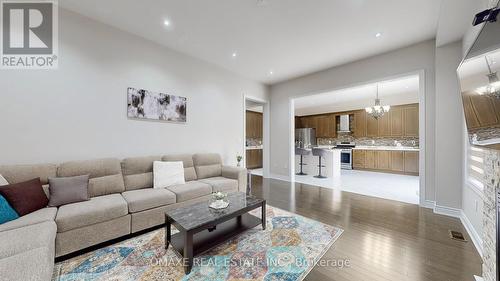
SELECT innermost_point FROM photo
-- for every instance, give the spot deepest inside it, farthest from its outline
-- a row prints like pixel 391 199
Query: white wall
pixel 79 111
pixel 406 60
pixel 449 127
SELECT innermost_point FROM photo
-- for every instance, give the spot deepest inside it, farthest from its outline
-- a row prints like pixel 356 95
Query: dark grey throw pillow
pixel 68 190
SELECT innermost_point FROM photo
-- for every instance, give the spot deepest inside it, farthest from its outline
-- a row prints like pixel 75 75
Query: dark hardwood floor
pixel 382 239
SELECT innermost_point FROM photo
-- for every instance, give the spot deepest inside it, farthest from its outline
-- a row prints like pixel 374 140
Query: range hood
pixel 344 124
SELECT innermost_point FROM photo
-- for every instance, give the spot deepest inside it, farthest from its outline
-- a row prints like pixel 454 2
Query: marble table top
pixel 198 214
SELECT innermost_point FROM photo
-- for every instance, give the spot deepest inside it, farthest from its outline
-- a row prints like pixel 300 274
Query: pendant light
pixel 377 110
pixel 493 87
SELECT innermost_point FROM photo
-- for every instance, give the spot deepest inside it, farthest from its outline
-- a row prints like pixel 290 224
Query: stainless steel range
pixel 345 154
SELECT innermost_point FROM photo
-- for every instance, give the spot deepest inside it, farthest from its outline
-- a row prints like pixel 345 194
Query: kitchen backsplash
pixel 254 142
pixel 367 141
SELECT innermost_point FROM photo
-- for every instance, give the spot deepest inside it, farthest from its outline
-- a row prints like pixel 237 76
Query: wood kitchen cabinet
pixel 384 125
pixel 397 161
pixel 254 124
pixel 254 158
pixel 324 125
pixel 371 127
pixel 400 121
pixel 371 159
pixel 401 162
pixel 411 162
pixel 396 121
pixel 383 160
pixel 358 159
pixel 359 130
pixel 410 116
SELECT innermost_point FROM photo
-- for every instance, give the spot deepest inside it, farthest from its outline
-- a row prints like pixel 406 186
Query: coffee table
pixel 201 228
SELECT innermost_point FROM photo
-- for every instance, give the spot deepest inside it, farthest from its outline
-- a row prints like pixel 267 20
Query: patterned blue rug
pixel 286 251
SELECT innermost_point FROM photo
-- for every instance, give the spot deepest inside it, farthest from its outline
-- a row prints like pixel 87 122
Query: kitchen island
pixel 331 163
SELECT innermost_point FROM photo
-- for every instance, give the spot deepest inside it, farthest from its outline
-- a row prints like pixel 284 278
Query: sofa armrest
pixel 236 173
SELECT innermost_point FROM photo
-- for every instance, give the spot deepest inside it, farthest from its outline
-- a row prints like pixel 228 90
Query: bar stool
pixel 320 152
pixel 302 152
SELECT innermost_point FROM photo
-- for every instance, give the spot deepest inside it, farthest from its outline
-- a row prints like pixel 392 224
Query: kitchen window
pixel 475 167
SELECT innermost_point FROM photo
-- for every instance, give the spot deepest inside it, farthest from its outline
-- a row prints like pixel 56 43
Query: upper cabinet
pixel 359 128
pixel 324 124
pixel 371 126
pixel 254 124
pixel 410 116
pixel 396 121
pixel 384 125
pixel 400 121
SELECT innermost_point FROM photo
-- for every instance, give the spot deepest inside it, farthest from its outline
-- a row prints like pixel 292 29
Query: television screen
pixel 480 86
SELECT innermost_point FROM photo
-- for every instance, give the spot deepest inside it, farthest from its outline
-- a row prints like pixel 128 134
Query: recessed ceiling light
pixel 271 72
pixel 378 34
pixel 234 55
pixel 166 22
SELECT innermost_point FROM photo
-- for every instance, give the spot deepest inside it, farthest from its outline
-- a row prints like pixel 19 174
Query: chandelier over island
pixel 377 110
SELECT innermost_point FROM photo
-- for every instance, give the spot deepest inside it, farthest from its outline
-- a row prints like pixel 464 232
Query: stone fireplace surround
pixel 491 187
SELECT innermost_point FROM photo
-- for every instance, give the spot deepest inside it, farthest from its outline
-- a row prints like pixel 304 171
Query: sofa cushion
pixel 26 238
pixel 187 161
pixel 25 197
pixel 207 165
pixel 96 210
pixel 138 172
pixel 190 190
pixel 20 173
pixel 42 215
pixel 68 190
pixel 144 199
pixel 221 184
pixel 105 175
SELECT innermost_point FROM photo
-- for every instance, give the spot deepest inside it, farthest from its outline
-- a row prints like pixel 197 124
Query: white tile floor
pixel 383 185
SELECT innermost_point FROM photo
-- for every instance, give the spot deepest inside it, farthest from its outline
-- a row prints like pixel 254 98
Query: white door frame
pixel 422 126
pixel 266 142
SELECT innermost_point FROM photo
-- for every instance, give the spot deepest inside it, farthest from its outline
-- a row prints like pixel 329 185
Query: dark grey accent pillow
pixel 68 190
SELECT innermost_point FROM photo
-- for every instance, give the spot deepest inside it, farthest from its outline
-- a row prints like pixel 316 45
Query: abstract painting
pixel 144 104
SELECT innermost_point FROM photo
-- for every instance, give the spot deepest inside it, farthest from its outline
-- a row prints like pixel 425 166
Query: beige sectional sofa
pixel 122 202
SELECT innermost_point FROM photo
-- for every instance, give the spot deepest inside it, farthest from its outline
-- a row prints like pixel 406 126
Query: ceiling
pixel 289 38
pixel 404 90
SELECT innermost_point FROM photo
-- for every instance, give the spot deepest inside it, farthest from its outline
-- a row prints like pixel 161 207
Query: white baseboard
pixel 428 204
pixel 448 211
pixel 279 177
pixel 475 237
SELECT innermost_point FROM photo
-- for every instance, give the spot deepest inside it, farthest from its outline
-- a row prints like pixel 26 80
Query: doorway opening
pixel 256 137
pixel 342 143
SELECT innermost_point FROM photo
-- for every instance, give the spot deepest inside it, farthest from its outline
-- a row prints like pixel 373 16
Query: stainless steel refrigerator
pixel 305 137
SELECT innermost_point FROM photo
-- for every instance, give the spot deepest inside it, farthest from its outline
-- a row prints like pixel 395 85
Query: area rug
pixel 287 250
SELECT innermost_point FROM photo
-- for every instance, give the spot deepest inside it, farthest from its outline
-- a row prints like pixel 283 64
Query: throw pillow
pixel 25 197
pixel 6 211
pixel 68 190
pixel 3 181
pixel 167 174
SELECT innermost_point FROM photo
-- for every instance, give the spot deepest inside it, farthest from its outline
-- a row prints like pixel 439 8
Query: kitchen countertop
pixel 395 148
pixel 255 147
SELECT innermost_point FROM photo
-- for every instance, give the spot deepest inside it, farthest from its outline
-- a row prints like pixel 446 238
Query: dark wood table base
pixel 195 242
